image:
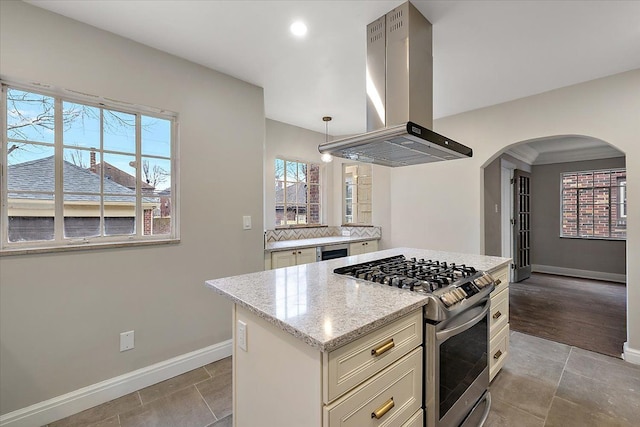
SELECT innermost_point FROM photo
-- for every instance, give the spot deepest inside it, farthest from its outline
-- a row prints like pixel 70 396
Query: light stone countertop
pixel 316 241
pixel 326 310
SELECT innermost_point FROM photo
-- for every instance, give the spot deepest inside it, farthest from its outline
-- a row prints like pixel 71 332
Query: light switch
pixel 246 222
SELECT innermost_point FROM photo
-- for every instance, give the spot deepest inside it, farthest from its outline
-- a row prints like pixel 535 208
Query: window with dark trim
pixel 594 204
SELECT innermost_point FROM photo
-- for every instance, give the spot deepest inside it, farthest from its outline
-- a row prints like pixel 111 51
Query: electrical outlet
pixel 126 341
pixel 241 336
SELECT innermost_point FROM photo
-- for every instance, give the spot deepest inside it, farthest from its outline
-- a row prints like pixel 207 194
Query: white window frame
pixel 308 204
pixel 59 242
pixel 356 203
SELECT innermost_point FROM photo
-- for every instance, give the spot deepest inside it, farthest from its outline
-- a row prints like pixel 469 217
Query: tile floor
pixel 198 398
pixel 543 383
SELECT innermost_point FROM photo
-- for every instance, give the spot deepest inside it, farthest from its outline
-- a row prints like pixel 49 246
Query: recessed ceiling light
pixel 298 28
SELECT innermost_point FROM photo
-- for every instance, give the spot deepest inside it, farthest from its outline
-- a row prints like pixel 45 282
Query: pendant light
pixel 326 157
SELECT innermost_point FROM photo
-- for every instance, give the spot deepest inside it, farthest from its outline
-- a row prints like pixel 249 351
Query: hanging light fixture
pixel 326 157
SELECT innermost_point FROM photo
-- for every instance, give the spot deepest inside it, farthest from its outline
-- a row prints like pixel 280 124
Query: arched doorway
pixel 594 250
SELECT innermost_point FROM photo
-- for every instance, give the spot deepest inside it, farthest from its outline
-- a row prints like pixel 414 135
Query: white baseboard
pixel 631 355
pixel 87 397
pixel 574 272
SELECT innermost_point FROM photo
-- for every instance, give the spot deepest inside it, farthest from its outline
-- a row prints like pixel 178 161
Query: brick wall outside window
pixel 594 204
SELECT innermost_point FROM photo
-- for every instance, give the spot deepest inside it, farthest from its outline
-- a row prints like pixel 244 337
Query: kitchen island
pixel 305 343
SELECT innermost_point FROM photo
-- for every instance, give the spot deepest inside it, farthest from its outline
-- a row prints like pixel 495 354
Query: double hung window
pixel 357 194
pixel 594 204
pixel 297 193
pixel 76 172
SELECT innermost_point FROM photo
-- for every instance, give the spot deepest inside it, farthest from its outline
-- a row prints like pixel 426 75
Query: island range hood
pixel 399 97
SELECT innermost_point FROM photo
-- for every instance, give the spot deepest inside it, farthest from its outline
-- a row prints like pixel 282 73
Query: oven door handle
pixel 449 332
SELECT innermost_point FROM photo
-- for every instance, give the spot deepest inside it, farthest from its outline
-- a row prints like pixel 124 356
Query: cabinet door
pixel 283 259
pixel 356 248
pixel 360 248
pixel 371 246
pixel 305 256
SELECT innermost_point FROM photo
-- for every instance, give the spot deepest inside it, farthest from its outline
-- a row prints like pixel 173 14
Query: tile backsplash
pixel 315 232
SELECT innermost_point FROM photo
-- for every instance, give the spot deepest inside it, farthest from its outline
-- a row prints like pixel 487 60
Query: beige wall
pixel 295 143
pixel 61 313
pixel 449 215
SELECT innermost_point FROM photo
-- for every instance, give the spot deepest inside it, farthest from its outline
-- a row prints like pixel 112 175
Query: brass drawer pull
pixel 386 407
pixel 497 355
pixel 497 315
pixel 498 281
pixel 382 348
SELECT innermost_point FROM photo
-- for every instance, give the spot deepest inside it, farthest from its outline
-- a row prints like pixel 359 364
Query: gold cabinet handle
pixel 497 355
pixel 386 407
pixel 497 315
pixel 498 281
pixel 382 348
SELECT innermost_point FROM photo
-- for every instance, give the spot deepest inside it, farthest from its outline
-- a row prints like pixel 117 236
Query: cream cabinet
pixel 376 378
pixel 499 322
pixel 359 248
pixel 293 257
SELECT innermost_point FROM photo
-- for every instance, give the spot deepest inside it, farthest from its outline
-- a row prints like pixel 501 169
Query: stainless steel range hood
pixel 399 97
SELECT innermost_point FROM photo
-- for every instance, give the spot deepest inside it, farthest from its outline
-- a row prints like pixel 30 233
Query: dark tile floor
pixel 543 383
pixel 198 398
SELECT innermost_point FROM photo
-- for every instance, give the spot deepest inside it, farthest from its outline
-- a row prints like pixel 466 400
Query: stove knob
pixel 456 296
pixel 445 299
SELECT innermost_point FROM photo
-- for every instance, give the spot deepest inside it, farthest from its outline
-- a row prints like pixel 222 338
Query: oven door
pixel 460 365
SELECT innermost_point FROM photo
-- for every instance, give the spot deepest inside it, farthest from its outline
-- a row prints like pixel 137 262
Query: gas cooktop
pixel 449 286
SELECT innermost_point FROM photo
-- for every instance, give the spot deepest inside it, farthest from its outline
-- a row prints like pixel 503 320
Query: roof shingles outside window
pixel 31 183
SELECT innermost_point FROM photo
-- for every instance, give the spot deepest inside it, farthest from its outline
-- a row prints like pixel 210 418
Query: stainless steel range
pixel 456 333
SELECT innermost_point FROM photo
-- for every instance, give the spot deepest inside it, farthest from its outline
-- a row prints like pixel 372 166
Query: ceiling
pixel 561 149
pixel 485 52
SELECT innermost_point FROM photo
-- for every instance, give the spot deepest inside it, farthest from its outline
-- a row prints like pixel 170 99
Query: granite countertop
pixel 316 241
pixel 326 310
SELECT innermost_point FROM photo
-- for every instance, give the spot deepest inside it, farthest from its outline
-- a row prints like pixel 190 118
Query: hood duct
pixel 399 80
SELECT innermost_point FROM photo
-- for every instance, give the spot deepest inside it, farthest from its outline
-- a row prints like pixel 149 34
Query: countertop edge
pixel 501 265
pixel 312 342
pixel 319 241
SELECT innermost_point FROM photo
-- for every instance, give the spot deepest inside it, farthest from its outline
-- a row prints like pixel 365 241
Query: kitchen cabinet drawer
pixel 501 277
pixel 395 394
pixel 350 365
pixel 498 351
pixel 499 311
pixel 415 420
